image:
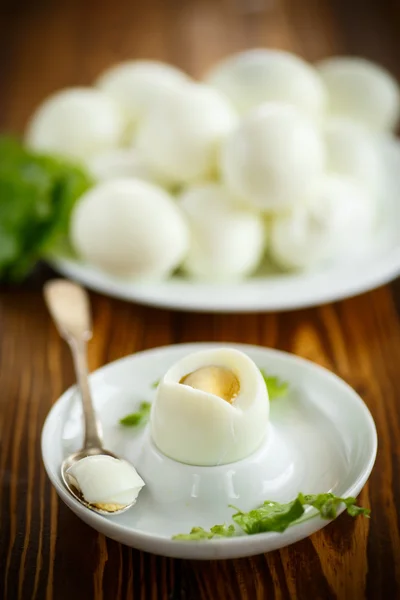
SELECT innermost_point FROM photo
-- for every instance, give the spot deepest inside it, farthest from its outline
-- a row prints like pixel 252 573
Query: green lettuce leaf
pixel 37 194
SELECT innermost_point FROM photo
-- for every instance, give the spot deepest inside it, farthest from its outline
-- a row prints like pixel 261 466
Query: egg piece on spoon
pixel 353 151
pixel 135 85
pixel 211 408
pixel 361 90
pixel 256 76
pixel 129 228
pixel 105 482
pixel 334 221
pixel 271 158
pixel 226 242
pixel 76 123
pixel 180 135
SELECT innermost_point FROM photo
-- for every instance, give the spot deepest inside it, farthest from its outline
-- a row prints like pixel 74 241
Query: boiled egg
pixel 120 163
pixel 180 135
pixel 272 157
pixel 211 408
pixel 333 221
pixel 76 123
pixel 129 228
pixel 361 90
pixel 106 482
pixel 354 151
pixel 256 76
pixel 226 242
pixel 135 85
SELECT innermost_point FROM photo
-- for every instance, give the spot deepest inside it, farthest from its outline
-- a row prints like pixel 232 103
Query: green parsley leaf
pixel 271 516
pixel 276 388
pixel 328 504
pixel 274 516
pixel 137 418
pixel 198 533
pixel 154 385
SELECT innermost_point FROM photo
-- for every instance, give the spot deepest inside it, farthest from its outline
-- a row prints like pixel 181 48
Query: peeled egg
pixel 226 242
pixel 361 90
pixel 353 151
pixel 76 123
pixel 272 157
pixel 106 482
pixel 129 228
pixel 120 163
pixel 135 84
pixel 334 221
pixel 211 408
pixel 180 135
pixel 253 77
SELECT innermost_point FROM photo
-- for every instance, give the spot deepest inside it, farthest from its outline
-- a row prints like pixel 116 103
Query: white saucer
pixel 378 264
pixel 322 438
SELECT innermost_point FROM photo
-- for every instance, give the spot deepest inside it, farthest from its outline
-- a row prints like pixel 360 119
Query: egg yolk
pixel 215 380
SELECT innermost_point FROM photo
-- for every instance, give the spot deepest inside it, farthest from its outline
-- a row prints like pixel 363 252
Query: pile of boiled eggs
pixel 267 158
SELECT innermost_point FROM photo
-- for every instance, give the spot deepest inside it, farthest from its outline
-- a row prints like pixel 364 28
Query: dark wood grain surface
pixel 45 551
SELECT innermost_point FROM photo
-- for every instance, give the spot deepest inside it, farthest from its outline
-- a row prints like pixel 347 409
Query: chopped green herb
pixel 276 388
pixel 137 418
pixel 274 516
pixel 198 533
pixel 155 384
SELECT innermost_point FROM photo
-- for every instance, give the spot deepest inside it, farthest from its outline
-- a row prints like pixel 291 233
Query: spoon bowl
pixel 71 484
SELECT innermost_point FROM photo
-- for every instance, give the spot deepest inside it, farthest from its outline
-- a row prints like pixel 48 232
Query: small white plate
pixel 378 264
pixel 322 438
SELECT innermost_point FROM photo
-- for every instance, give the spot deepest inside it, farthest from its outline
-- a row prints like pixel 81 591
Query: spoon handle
pixel 69 306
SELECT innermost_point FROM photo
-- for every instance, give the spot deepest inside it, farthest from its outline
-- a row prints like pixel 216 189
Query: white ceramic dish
pixel 321 438
pixel 378 264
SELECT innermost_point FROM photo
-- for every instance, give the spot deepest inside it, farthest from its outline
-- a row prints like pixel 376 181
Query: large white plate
pixel 378 264
pixel 322 438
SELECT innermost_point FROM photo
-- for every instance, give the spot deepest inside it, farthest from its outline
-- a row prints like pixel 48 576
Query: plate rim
pixel 239 546
pixel 355 281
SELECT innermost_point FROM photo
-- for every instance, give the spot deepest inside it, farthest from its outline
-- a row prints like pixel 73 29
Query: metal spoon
pixel 69 307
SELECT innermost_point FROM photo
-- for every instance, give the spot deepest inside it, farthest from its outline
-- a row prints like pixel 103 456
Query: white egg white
pixel 120 163
pixel 199 428
pixel 226 242
pixel 256 76
pixel 180 135
pixel 334 221
pixel 361 90
pixel 76 123
pixel 354 151
pixel 271 158
pixel 106 480
pixel 129 228
pixel 136 84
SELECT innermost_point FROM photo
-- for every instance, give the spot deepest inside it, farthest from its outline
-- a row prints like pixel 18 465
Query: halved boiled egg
pixel 211 408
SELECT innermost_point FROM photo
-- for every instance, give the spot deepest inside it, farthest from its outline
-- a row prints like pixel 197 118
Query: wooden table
pixel 45 551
